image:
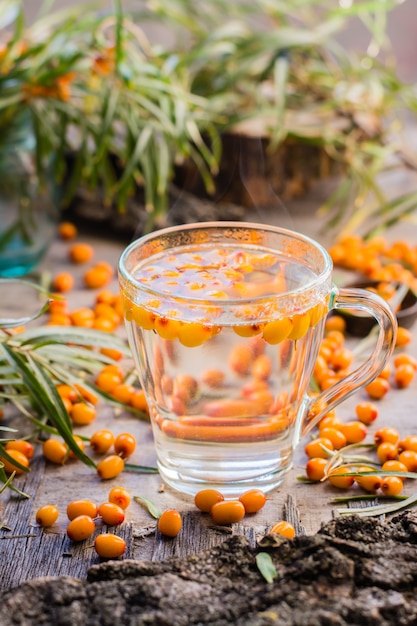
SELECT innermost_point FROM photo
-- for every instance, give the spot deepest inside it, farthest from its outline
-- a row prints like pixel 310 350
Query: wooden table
pixel 27 552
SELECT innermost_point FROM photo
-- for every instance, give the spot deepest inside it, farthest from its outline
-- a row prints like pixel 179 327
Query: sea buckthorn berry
pixel 275 332
pixel 206 498
pixel 109 546
pixel 227 512
pixel 192 334
pixel 82 317
pixel 404 337
pixel 387 434
pixel 408 443
pixel 387 451
pixel 285 529
pixel 337 479
pixel 82 413
pixel 87 394
pixel 47 515
pixel 366 412
pixel 253 500
pixel 107 381
pixel 404 375
pixel 378 388
pixel 120 496
pixel 64 281
pixel 336 436
pixel 124 445
pixel 97 276
pixel 112 514
pixel 170 523
pixel 329 421
pixel 315 468
pixel 123 393
pixel 110 467
pixel 66 391
pixel 55 451
pixel 80 528
pixel 368 483
pixel 81 507
pixel 80 444
pixel 405 359
pixel 335 322
pixel 213 378
pixel 25 447
pixel 67 231
pixel 80 252
pixel 9 467
pixel 391 485
pixel 138 401
pixel 394 465
pixel 102 440
pixel 341 359
pixel 386 372
pixel 315 448
pixel 354 431
pixel 409 459
pixel 240 359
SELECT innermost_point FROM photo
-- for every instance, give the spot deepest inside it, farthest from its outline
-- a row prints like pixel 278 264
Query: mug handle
pixel 371 303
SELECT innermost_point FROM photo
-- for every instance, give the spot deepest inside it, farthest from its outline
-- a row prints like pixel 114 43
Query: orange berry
pixel 391 485
pixel 47 515
pixel 81 253
pixel 115 355
pixel 82 317
pixel 338 480
pixel 409 459
pixel 55 451
pixel 110 467
pixel 81 507
pixel 354 431
pixel 109 546
pixel 368 483
pixel 124 445
pixel 80 528
pixel 170 523
pixel 408 443
pixel 104 324
pixel 10 467
pixel 101 441
pixel 111 513
pixel 315 468
pixel 80 445
pixel 120 496
pixel 241 359
pixel 314 448
pixel 123 393
pixel 107 381
pixel 66 391
pixel 404 375
pixel 25 447
pixel 377 388
pixel 387 451
pixel 283 528
pixel 394 465
pixel 138 401
pixel 206 498
pixel 335 435
pixel 253 500
pixel 335 322
pixel 405 359
pixel 82 413
pixel 227 512
pixel 387 434
pixel 366 412
pixel 97 276
pixel 86 394
pixel 404 337
pixel 64 281
pixel 67 231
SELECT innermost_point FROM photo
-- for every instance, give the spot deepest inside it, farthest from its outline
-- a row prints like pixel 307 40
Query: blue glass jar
pixel 28 201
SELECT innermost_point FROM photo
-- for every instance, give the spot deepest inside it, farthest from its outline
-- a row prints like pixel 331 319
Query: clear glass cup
pixel 225 321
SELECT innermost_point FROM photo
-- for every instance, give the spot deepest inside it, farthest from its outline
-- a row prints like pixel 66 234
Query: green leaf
pixel 141 469
pixel 266 567
pixel 149 506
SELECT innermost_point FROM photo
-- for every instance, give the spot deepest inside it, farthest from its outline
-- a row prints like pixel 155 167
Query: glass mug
pixel 225 322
